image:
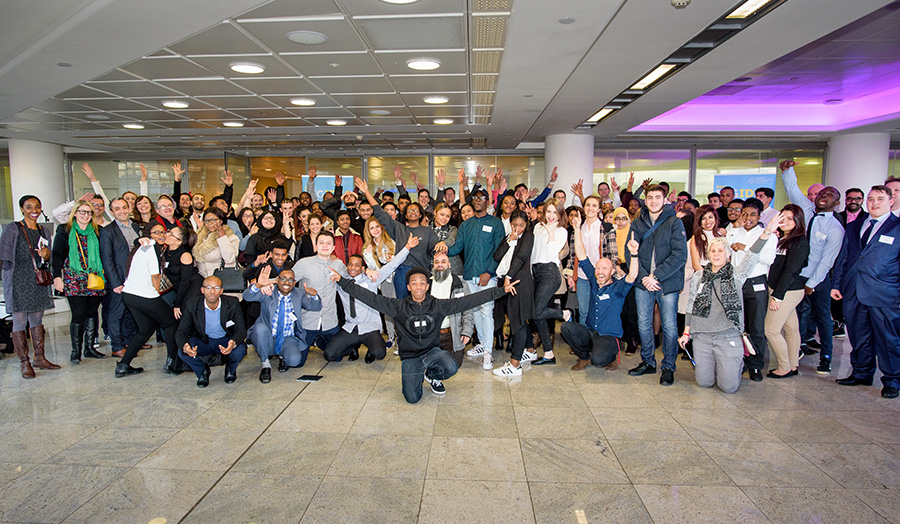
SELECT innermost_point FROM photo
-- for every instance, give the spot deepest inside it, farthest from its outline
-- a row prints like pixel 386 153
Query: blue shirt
pixel 477 240
pixel 605 313
pixel 214 321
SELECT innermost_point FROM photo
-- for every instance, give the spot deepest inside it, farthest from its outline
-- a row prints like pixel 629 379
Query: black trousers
pixel 150 314
pixel 342 343
pixel 587 344
pixel 546 282
pixel 756 304
pixel 83 308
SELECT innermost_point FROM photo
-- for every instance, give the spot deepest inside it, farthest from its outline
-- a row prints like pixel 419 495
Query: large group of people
pixel 475 271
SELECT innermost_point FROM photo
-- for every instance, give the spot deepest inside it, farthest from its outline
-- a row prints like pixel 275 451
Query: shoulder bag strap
pixel 30 246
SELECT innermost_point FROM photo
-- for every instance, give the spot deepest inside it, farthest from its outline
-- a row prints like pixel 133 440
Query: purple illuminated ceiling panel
pixel 848 78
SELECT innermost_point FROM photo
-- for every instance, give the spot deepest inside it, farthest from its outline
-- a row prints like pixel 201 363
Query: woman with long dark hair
pixel 179 267
pixel 307 245
pixel 76 258
pixel 514 258
pixel 143 211
pixel 706 228
pixel 786 290
pixel 24 249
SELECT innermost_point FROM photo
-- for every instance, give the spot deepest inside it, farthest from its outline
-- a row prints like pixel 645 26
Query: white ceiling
pixel 512 72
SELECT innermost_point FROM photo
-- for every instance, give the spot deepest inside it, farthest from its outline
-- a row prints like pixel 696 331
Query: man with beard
pixel 766 195
pixel 456 329
pixel 853 210
pixel 198 204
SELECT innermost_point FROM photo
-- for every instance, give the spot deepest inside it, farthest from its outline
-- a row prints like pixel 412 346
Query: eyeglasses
pixel 854 199
pixel 621 219
pixel 84 212
pixel 212 221
pixel 165 206
pixel 286 280
pixel 479 198
pixel 158 233
pixel 213 288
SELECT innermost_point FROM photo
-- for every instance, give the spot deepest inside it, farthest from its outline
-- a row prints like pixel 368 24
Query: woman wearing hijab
pixel 261 241
pixel 630 334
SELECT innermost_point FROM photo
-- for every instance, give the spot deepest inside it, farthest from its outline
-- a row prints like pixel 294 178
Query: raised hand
pixel 228 179
pixel 553 175
pixel 87 196
pixel 363 186
pixel 414 177
pixel 309 291
pixel 613 185
pixel 440 247
pixel 279 178
pixel 412 242
pixel 263 279
pixel 775 223
pixel 251 187
pixel 143 173
pixel 633 245
pixel 786 164
pixel 262 259
pixel 178 171
pixel 533 192
pixel 630 180
pixel 504 185
pixel 461 177
pixel 312 172
pixel 646 183
pixel 576 222
pixel 272 195
pixel 578 190
pixel 398 173
pixel 478 172
pixel 440 177
pixel 337 180
pixel 673 196
pixel 86 169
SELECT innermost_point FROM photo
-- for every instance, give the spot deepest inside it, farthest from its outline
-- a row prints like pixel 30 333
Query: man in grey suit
pixel 116 240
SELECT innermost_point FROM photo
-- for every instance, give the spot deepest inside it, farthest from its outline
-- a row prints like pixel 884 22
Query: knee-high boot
pixel 76 333
pixel 21 345
pixel 90 333
pixel 37 340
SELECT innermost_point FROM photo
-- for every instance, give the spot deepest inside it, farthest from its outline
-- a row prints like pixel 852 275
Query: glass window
pixel 327 168
pixel 119 176
pixel 293 168
pixel 205 175
pixel 381 172
pixel 747 170
pixel 6 202
pixel 528 170
pixel 670 166
pixel 894 163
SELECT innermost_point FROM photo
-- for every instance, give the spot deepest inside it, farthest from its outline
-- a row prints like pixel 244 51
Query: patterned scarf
pixel 731 300
pixel 91 254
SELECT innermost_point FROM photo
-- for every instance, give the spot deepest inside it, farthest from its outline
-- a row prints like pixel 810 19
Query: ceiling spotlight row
pixel 739 18
pixel 333 122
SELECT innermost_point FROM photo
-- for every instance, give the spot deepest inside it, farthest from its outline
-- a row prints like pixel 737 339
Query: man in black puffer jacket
pixel 662 256
pixel 418 319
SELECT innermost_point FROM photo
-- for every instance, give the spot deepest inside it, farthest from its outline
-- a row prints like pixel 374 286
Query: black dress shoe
pixel 756 375
pixel 282 366
pixel 642 369
pixel 354 354
pixel 171 367
pixel 370 357
pixel 795 372
pixel 203 381
pixel 541 361
pixel 813 344
pixel 771 374
pixel 230 375
pixel 666 377
pixel 123 370
pixel 889 392
pixel 853 381
pixel 265 375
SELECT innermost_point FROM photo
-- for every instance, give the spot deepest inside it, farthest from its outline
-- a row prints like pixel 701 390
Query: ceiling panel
pixel 32 115
pixel 220 39
pixel 55 105
pixel 414 33
pixel 278 86
pixel 357 63
pixel 82 91
pixel 204 87
pixel 115 75
pixel 347 84
pixel 85 126
pixel 387 120
pixel 170 67
pixel 368 7
pixel 147 115
pixel 114 104
pixel 321 122
pixel 436 111
pixel 285 101
pixel 285 122
pixel 207 114
pixel 369 111
pixel 451 61
pixel 341 36
pixel 229 102
pixel 321 112
pixel 184 124
pixel 218 123
pixel 221 65
pixel 140 88
pixel 263 113
pixel 280 8
pixel 385 99
pixel 430 83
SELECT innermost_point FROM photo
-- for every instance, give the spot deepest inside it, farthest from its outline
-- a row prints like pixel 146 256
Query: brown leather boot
pixel 21 345
pixel 37 340
pixel 612 366
pixel 581 365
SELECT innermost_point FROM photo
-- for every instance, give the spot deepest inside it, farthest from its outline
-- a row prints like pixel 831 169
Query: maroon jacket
pixel 354 244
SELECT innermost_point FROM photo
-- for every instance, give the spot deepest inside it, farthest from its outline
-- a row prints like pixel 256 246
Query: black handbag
pixel 232 278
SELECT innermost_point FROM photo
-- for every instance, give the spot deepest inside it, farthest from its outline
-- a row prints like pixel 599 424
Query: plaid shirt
pixel 288 327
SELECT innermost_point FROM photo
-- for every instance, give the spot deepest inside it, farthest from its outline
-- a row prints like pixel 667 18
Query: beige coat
pixel 212 250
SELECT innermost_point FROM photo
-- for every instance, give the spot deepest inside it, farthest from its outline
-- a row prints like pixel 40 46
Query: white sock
pixel 266 364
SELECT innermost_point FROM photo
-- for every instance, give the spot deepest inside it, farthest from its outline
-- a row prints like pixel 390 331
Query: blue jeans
pixel 483 315
pixel 583 293
pixel 668 313
pixel 198 365
pixel 400 281
pixel 814 312
pixel 436 362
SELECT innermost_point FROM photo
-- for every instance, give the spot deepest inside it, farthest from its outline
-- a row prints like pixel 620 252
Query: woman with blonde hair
pixel 217 245
pixel 76 270
pixel 378 249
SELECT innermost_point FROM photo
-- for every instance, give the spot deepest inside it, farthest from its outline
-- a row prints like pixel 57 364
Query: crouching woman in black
pixel 418 318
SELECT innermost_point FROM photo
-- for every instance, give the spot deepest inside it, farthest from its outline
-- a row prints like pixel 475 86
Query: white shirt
pixel 505 262
pixel 546 251
pixel 767 216
pixel 144 264
pixel 868 225
pixel 748 238
pixel 591 235
pixel 442 290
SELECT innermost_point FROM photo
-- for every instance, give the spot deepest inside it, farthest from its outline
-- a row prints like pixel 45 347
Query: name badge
pixel 487 229
pixel 458 295
pixel 884 239
pixel 759 287
pixel 604 296
pixel 291 317
pixel 820 235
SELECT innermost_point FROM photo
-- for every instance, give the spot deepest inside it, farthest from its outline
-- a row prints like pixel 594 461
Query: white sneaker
pixel 528 356
pixel 508 371
pixel 488 362
pixel 476 351
pixel 397 351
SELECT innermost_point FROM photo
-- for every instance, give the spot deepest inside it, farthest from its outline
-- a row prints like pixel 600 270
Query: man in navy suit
pixel 278 331
pixel 116 240
pixel 867 280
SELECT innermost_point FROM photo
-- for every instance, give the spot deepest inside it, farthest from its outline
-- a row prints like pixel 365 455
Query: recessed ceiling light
pixel 175 104
pixel 233 124
pixel 247 68
pixel 811 163
pixel 748 8
pixel 653 76
pixel 379 112
pixel 436 99
pixel 336 122
pixel 133 126
pixel 97 117
pixel 423 64
pixel 443 121
pixel 399 1
pixel 610 166
pixel 600 114
pixel 834 101
pixel 567 20
pixel 303 101
pixel 64 64
pixel 307 37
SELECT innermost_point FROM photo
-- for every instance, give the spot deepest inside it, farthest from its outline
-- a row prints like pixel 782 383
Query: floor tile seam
pixel 683 485
pixel 101 490
pixel 96 429
pixel 838 482
pixel 866 504
pixel 237 459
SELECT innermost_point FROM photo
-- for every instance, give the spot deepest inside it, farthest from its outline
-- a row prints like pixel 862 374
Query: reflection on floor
pixel 78 445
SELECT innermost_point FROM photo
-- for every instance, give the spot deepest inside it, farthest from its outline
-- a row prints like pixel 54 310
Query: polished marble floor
pixel 78 445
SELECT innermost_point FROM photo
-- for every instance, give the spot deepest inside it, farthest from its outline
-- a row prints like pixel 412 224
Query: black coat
pixel 520 307
pixel 193 320
pixel 842 217
pixel 114 252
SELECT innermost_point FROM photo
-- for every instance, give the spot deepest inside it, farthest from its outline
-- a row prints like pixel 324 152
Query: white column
pixel 573 156
pixel 857 160
pixel 37 168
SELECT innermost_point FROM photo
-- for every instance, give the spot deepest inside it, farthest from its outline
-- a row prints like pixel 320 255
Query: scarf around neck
pixel 731 300
pixel 91 254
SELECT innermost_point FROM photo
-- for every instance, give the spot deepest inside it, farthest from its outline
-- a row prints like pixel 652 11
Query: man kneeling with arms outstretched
pixel 418 318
